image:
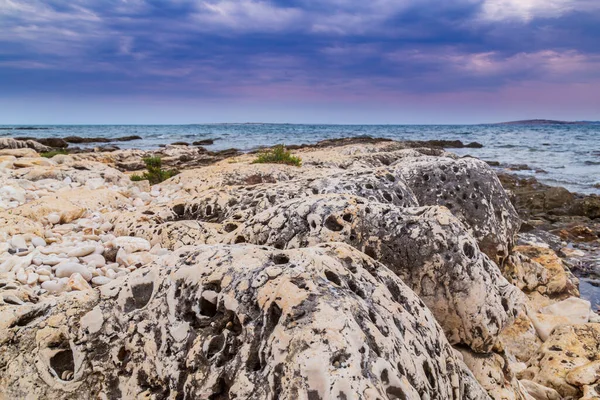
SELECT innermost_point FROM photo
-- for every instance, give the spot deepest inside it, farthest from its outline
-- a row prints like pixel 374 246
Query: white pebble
pixel 38 241
pixel 100 280
pixel 53 218
pixel 32 278
pixel 68 269
pixel 54 286
pixel 82 251
pixel 18 242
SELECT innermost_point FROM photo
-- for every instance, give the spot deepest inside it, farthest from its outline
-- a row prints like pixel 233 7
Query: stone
pixel 131 244
pixel 494 374
pixel 82 251
pixel 539 392
pixel 310 331
pixel 472 191
pixel 65 270
pixel 568 348
pixel 427 247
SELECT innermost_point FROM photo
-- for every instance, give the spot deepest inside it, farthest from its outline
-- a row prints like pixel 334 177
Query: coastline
pixel 516 301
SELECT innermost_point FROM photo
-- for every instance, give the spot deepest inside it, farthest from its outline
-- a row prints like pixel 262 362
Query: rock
pixel 131 244
pixel 78 282
pixel 472 191
pixel 520 339
pixel 82 251
pixel 65 270
pixel 560 283
pixel 539 392
pixel 56 143
pixel 576 309
pixel 568 348
pixel 180 144
pixel 203 142
pixel 303 333
pixel 80 140
pixel 557 197
pixel 101 280
pixel 19 152
pixel 427 247
pixel 570 311
pixel 494 374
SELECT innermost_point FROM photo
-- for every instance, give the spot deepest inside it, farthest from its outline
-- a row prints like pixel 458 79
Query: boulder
pixel 235 322
pixel 472 191
pixel 427 247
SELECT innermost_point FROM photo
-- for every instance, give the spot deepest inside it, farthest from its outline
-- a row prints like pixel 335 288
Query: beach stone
pixel 569 349
pixel 65 270
pixel 304 333
pixel 131 244
pixel 472 191
pixel 520 339
pixel 82 251
pixel 11 224
pixel 427 247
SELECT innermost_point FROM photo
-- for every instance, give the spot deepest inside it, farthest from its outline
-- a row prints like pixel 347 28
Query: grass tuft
pixel 278 155
pixel 155 173
pixel 50 154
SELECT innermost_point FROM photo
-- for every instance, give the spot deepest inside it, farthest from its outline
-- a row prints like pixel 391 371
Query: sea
pixel 558 155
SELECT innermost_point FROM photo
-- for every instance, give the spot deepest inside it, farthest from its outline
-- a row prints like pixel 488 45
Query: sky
pixel 299 61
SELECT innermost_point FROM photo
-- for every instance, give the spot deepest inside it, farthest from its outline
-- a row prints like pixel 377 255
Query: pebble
pixel 78 282
pixel 18 242
pixel 131 244
pixel 96 260
pixel 53 218
pixel 82 251
pixel 38 241
pixel 32 278
pixel 54 286
pixel 68 269
pixel 101 280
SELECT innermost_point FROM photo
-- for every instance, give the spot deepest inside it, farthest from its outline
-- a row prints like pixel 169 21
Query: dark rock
pixel 180 144
pixel 80 140
pixel 56 143
pixel 127 138
pixel 204 142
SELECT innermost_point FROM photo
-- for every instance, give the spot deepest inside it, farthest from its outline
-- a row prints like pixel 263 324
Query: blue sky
pixel 330 61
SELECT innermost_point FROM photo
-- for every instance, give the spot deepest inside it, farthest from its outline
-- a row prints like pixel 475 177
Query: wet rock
pixel 223 322
pixel 427 247
pixel 204 142
pixel 56 143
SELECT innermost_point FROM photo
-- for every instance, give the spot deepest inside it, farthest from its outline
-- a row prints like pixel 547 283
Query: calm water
pixel 569 154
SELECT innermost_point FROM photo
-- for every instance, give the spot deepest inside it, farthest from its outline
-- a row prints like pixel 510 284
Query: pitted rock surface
pixel 427 247
pixel 472 191
pixel 236 322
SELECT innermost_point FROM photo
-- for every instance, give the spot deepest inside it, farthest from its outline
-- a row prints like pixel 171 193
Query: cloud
pixel 526 10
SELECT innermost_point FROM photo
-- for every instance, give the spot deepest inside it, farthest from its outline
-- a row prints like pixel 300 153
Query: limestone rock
pixel 237 322
pixel 492 371
pixel 520 338
pixel 569 349
pixel 427 247
pixel 472 191
pixel 539 392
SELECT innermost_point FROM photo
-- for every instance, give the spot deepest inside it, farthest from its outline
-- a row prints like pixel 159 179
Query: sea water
pixel 558 155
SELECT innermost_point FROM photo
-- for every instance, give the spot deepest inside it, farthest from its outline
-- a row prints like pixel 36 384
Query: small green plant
pixel 278 155
pixel 50 154
pixel 155 173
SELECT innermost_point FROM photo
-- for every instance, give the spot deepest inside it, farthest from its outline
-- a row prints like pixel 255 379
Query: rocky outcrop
pixel 427 247
pixel 236 321
pixel 471 190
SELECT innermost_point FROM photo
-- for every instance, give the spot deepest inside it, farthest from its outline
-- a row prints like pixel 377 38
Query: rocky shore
pixel 377 269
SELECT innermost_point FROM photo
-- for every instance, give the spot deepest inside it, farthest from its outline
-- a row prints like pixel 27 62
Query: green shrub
pixel 50 154
pixel 155 173
pixel 278 155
